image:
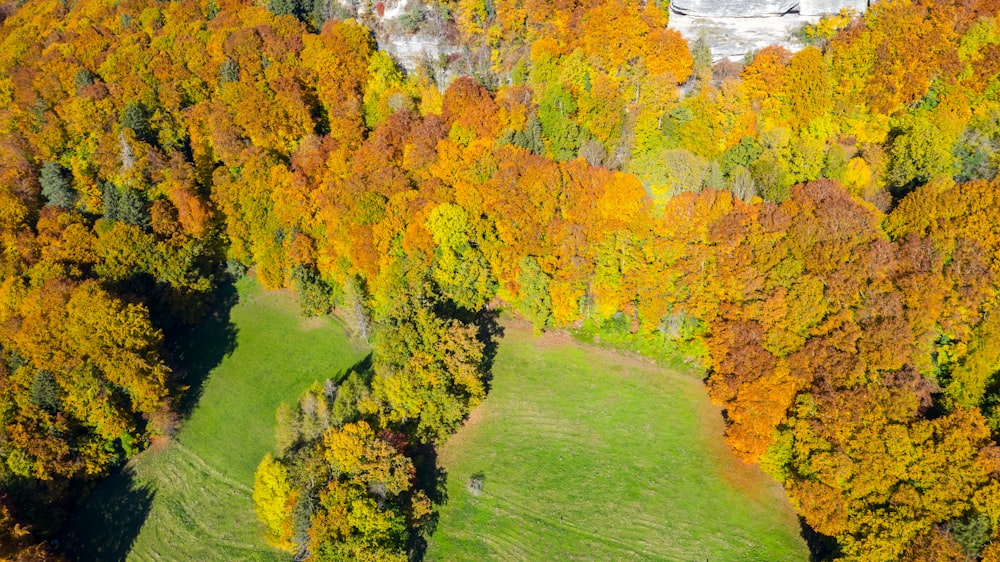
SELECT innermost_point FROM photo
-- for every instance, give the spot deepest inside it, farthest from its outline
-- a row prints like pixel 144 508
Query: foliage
pixel 55 189
pixel 271 496
pixel 144 145
pixel 203 507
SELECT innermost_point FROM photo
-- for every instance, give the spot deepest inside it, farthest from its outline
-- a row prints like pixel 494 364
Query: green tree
pixel 285 7
pixel 229 71
pixel 271 497
pixel 555 114
pixel 530 138
pixel 132 209
pixel 55 187
pixel 82 79
pixel 314 295
pixel 534 300
pixel 920 152
pixel 134 117
pixel 461 270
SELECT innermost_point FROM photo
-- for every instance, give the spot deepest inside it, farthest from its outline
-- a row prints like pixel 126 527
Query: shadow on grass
pixel 490 334
pixel 197 350
pixel 363 368
pixel 106 526
pixel 821 547
pixel 432 479
pixel 107 522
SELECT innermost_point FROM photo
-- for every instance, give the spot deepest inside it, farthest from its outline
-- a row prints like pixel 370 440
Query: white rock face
pixel 816 8
pixel 734 37
pixel 733 8
pixel 409 49
pixel 412 50
pixel 735 28
pixel 732 28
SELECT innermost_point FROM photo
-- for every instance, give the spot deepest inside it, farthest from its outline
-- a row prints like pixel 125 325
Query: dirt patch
pixel 555 338
pixel 158 443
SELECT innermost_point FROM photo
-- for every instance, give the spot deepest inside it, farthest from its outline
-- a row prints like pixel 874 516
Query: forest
pixel 814 232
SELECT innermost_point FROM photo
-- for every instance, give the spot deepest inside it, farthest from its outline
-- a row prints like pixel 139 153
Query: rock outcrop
pixel 408 30
pixel 733 9
pixel 818 8
pixel 736 27
pixel 732 28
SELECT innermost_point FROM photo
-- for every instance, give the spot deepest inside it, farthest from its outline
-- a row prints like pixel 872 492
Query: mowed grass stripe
pixel 192 499
pixel 538 525
pixel 588 455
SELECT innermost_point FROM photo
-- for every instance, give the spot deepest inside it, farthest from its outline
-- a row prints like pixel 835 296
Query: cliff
pixel 415 34
pixel 737 8
pixel 735 27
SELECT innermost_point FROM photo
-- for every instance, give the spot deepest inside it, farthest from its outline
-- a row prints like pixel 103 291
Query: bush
pixel 315 296
pixel 476 483
pixel 235 269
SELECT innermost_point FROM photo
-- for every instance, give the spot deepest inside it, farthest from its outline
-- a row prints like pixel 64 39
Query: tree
pixel 555 114
pixel 285 7
pixel 229 71
pixel 55 187
pixel 919 153
pixel 427 369
pixel 315 295
pixel 273 497
pixel 363 510
pixel 461 269
pixel 134 117
pixel 534 300
pixel 132 209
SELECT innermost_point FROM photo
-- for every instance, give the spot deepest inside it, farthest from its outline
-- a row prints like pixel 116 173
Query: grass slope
pixel 191 500
pixel 587 455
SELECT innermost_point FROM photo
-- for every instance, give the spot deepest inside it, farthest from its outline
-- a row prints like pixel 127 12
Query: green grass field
pixel 191 500
pixel 585 455
pixel 588 455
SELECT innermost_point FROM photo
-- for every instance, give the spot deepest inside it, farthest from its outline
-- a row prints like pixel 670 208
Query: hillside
pixel 585 454
pixel 190 498
pixel 813 232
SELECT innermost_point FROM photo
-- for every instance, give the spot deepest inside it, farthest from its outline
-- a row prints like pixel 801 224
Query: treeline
pixel 346 485
pixel 148 147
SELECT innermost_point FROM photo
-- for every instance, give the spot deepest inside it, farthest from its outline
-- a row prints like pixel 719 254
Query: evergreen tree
pixel 45 392
pixel 284 7
pixel 531 137
pixel 55 187
pixel 110 198
pixel 229 71
pixel 82 79
pixel 134 117
pixel 534 302
pixel 132 209
pixel 125 205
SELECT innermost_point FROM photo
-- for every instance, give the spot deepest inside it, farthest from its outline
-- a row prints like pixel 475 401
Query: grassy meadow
pixel 190 500
pixel 584 454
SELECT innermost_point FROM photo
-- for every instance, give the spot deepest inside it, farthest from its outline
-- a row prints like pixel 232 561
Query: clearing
pixel 191 500
pixel 585 454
